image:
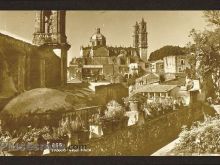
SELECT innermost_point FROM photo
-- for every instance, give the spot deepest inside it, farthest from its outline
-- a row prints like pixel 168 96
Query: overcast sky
pixel 164 27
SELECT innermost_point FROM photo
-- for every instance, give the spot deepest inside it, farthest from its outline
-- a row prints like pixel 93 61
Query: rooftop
pixel 9 34
pixel 178 81
pixel 155 88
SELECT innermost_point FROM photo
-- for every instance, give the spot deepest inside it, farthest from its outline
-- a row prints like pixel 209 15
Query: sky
pixel 163 27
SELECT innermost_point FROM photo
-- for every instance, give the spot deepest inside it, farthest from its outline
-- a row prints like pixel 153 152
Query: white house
pixel 169 64
pixel 175 64
pixel 157 91
pixel 133 68
pixel 157 66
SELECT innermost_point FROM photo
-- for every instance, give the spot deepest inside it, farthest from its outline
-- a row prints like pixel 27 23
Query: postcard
pixel 109 83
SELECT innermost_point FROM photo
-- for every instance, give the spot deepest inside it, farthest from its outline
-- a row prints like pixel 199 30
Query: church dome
pixel 98 39
pixel 97 35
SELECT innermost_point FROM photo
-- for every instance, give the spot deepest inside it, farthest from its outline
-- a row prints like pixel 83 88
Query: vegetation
pixel 191 71
pixel 166 51
pixel 114 109
pixel 213 17
pixel 206 59
pixel 202 137
pixel 71 125
pixel 156 108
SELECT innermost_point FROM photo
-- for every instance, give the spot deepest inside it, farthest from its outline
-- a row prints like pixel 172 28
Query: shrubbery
pixel 114 109
pixel 202 137
pixel 166 51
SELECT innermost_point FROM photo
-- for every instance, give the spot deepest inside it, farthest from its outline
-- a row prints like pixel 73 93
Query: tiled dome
pixel 97 35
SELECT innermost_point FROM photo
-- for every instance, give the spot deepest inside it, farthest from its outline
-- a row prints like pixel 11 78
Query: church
pixel 102 62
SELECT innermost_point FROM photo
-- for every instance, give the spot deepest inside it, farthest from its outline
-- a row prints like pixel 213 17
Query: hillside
pixel 167 51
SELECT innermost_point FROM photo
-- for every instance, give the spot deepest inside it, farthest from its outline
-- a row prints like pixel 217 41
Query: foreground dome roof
pixel 43 100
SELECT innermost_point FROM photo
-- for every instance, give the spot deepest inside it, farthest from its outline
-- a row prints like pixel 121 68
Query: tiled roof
pixel 155 88
pixel 148 75
pixel 179 82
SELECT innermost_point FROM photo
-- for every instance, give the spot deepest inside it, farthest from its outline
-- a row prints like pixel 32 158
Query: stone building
pixel 157 66
pixel 50 32
pixel 175 64
pixel 157 91
pixel 100 60
pixel 25 66
pixel 108 92
pixel 150 78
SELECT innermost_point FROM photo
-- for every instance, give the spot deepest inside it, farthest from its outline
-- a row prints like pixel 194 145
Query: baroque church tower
pixel 140 39
pixel 50 32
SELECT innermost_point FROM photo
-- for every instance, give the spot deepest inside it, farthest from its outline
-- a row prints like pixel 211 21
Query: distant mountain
pixel 167 51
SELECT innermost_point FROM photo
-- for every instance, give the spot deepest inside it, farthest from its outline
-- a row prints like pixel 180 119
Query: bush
pixel 202 137
pixel 114 109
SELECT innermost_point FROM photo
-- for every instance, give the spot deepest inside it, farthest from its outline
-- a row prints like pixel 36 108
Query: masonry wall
pixel 23 63
pixel 181 66
pixel 145 139
pixel 52 68
pixel 106 93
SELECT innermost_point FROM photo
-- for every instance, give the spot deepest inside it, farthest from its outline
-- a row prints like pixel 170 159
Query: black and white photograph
pixel 109 82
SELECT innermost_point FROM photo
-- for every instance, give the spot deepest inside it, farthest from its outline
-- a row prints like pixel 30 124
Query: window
pixel 163 94
pixel 98 43
pixel 122 62
pixel 182 62
pixel 151 95
pixel 152 66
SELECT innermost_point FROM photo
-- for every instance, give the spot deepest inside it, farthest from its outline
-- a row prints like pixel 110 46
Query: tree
pixel 206 48
pixel 212 16
pixel 166 51
pixel 191 71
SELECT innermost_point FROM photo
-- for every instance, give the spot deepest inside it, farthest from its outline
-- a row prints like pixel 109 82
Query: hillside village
pixel 108 98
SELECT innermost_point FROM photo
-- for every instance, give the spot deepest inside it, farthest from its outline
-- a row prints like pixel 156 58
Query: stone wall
pixel 180 65
pixel 106 93
pixel 52 68
pixel 147 138
pixel 23 63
